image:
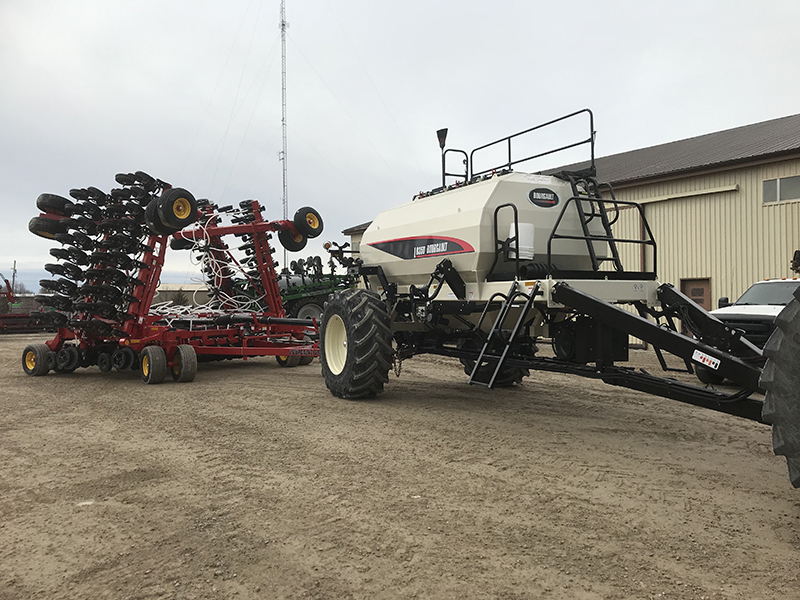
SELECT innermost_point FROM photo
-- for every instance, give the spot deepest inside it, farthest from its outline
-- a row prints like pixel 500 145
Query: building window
pixel 780 190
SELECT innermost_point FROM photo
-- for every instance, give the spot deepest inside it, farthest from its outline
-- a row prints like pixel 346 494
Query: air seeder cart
pixel 493 266
pixel 113 248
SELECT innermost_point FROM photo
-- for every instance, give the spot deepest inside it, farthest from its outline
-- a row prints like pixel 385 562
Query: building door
pixel 699 290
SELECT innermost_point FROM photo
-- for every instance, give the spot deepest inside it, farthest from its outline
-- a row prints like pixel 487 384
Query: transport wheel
pixel 177 208
pixel 781 380
pixel 154 222
pixel 293 242
pixel 707 375
pixel 306 360
pixel 356 344
pixel 288 361
pixel 67 359
pixel 153 363
pixel 55 205
pixel 34 360
pixel 104 362
pixel 308 222
pixel 46 228
pixel 185 367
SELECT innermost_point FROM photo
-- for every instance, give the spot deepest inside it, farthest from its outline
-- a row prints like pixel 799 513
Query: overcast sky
pixel 190 91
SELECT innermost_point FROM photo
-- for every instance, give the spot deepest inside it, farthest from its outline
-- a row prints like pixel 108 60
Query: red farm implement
pixel 113 248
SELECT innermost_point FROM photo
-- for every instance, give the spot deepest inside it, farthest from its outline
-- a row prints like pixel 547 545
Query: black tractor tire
pixel 153 365
pixel 185 368
pixel 154 222
pixel 34 360
pixel 177 208
pixel 708 376
pixel 308 222
pixel 356 344
pixel 781 380
pixel 293 242
pixel 287 361
pixel 54 205
pixel 46 228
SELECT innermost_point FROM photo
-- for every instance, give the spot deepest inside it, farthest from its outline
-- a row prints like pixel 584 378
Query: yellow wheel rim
pixel 297 237
pixel 336 344
pixel 30 360
pixel 312 220
pixel 182 208
pixel 145 366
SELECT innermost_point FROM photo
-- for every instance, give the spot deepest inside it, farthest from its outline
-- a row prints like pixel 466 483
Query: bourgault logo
pixel 438 248
pixel 543 197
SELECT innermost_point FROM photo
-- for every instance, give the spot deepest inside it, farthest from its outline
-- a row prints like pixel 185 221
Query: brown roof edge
pixel 356 229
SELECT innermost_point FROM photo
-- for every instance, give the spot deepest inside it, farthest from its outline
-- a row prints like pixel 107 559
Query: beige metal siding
pixel 721 229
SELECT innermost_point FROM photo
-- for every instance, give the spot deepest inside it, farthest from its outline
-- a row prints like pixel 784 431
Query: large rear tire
pixel 781 380
pixel 356 344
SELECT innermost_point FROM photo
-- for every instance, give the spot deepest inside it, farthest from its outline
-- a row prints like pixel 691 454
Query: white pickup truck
pixel 753 313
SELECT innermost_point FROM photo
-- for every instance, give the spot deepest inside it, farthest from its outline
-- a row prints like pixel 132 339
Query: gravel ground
pixel 254 482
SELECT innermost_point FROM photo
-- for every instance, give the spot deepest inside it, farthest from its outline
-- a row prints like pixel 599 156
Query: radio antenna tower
pixel 285 199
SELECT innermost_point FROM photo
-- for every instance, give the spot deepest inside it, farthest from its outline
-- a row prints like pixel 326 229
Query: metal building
pixel 724 207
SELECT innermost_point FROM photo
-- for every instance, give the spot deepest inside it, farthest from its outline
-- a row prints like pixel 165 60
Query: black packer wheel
pixel 55 205
pixel 34 360
pixel 123 358
pixel 356 344
pixel 781 380
pixel 46 228
pixel 68 359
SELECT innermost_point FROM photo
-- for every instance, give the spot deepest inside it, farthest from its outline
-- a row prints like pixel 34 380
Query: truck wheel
pixel 185 368
pixel 356 344
pixel 707 375
pixel 308 222
pixel 34 360
pixel 781 380
pixel 153 365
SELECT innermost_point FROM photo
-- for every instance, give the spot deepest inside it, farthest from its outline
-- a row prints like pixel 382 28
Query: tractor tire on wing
pixel 781 380
pixel 356 346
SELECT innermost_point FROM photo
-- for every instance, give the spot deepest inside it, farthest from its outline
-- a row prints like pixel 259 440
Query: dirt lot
pixel 253 482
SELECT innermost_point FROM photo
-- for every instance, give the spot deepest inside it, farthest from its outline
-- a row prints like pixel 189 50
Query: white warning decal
pixel 705 359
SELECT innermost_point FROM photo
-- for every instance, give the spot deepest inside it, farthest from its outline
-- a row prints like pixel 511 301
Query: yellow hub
pixel 182 208
pixel 30 360
pixel 145 366
pixel 336 344
pixel 312 221
pixel 297 237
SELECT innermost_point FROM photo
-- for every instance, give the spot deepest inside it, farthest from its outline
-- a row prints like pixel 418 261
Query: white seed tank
pixel 410 240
